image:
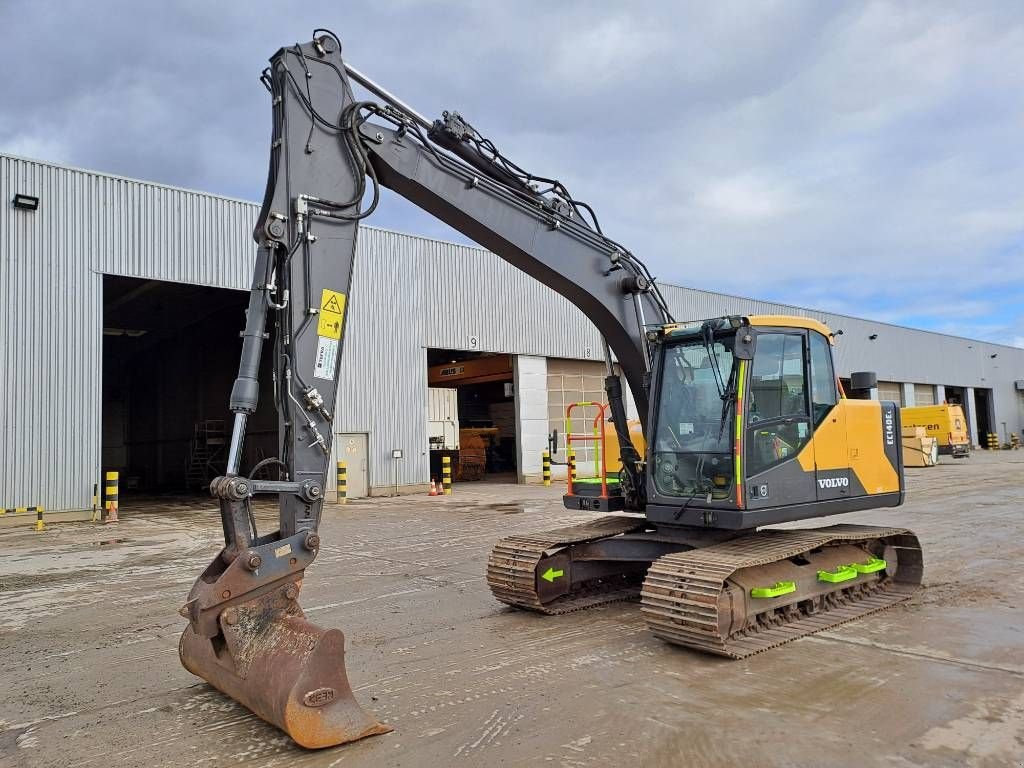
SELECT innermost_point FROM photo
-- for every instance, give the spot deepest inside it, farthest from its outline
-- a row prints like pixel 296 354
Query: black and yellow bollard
pixel 446 475
pixel 571 455
pixel 40 525
pixel 342 482
pixel 111 496
pixel 546 466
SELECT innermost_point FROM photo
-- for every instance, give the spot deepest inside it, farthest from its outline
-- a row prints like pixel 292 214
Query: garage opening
pixel 955 396
pixel 983 413
pixel 471 415
pixel 170 355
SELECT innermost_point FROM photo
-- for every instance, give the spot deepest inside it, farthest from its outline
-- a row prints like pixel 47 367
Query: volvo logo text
pixel 834 482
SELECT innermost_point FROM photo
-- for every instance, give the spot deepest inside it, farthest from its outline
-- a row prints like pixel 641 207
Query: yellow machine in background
pixel 946 423
pixel 611 441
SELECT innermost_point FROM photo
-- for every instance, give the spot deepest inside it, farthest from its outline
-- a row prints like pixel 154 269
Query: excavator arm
pixel 330 154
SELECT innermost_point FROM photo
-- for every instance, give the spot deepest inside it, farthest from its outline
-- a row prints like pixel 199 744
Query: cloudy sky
pixel 865 158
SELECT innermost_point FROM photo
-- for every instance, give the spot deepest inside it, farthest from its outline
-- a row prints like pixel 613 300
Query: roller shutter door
pixel 890 390
pixel 924 394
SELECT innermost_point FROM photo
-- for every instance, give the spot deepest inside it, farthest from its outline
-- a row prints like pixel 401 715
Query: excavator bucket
pixel 288 671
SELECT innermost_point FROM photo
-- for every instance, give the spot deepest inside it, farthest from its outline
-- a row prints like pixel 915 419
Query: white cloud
pixel 748 197
pixel 615 49
pixel 999 221
pixel 36 147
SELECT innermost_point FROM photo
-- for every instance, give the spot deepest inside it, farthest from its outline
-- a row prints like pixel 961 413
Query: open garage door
pixel 170 355
pixel 473 391
pixel 983 413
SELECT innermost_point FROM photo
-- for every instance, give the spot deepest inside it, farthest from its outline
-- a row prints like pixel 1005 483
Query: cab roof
pixel 792 321
pixel 769 321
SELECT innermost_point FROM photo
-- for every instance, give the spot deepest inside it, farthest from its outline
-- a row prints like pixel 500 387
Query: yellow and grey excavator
pixel 742 421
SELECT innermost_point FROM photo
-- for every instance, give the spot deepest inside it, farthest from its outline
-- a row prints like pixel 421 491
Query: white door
pixel 352 449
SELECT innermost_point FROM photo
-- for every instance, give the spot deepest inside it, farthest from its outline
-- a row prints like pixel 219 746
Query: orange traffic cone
pixel 433 488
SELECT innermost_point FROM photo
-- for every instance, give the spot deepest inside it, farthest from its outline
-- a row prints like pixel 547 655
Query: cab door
pixel 833 479
pixel 778 428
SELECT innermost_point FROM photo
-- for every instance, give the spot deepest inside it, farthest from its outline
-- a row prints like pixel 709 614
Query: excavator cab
pixel 750 427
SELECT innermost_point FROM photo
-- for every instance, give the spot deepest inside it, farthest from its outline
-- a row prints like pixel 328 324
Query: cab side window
pixel 777 379
pixel 823 380
pixel 777 415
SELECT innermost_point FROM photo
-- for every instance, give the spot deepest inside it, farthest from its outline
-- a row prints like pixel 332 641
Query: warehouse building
pixel 120 338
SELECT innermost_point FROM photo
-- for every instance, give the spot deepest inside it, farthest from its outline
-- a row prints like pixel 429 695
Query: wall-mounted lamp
pixel 132 333
pixel 994 355
pixel 25 202
pixel 873 336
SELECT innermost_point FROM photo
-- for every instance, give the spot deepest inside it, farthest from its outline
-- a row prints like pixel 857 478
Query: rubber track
pixel 681 594
pixel 512 566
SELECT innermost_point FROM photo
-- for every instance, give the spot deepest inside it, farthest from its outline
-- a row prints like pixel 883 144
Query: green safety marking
pixel 780 588
pixel 871 566
pixel 596 480
pixel 842 573
pixel 551 574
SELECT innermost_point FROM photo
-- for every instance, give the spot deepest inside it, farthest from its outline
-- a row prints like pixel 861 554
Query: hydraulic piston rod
pixel 385 94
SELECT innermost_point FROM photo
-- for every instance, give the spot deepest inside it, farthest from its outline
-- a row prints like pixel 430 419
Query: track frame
pixel 695 585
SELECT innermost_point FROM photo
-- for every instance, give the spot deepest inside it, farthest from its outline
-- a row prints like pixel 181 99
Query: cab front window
pixel 693 445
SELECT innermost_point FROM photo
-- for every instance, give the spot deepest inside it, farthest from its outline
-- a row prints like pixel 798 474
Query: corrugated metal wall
pixel 409 293
pixel 383 384
pixel 49 332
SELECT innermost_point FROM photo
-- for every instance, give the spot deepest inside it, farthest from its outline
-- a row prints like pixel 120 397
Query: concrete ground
pixel 89 671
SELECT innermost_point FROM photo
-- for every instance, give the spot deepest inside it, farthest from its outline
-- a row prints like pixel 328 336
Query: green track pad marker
pixel 840 574
pixel 780 588
pixel 551 574
pixel 871 566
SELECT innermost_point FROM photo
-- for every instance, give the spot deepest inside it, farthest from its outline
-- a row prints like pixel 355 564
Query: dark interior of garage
pixel 486 411
pixel 955 396
pixel 170 355
pixel 983 412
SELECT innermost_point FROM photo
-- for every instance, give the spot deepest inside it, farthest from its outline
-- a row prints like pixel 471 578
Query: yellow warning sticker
pixel 332 309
